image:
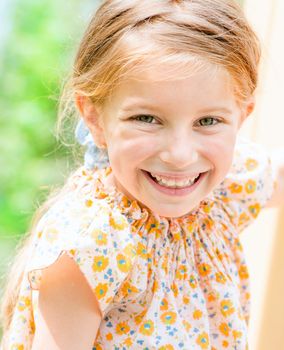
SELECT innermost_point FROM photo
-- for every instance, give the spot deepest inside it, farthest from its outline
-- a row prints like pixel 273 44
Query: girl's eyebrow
pixel 139 105
pixel 216 109
pixel 156 108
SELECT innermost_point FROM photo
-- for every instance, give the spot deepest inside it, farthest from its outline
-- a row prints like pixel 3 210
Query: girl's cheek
pixel 221 149
pixel 133 144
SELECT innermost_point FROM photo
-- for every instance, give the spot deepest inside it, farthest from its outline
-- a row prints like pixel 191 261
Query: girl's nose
pixel 179 152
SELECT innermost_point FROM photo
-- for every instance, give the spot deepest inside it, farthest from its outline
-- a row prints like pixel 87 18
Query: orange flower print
pixel 129 250
pixel 169 317
pixel 128 342
pixel 164 304
pixel 251 164
pixel 227 307
pixel 185 300
pixel 17 347
pixel 247 296
pixel 243 218
pixel 118 223
pixel 100 263
pixel 192 282
pixel 243 272
pixel 207 224
pixel 147 327
pixel 235 188
pixel 100 237
pixel 224 329
pixel 219 255
pixel 254 209
pixel 139 318
pixel 88 203
pixel 207 208
pixel 197 314
pixel 203 340
pixel 237 334
pixel 238 244
pixel 191 227
pixel 123 263
pixel 167 347
pixel 250 186
pixel 155 286
pixel 165 264
pixel 181 273
pixel 101 290
pixel 225 343
pixel 23 303
pixel 224 199
pixel 204 269
pixel 142 251
pixel 122 328
pixel 125 202
pixel 175 289
pixel 32 326
pixel 109 336
pixel 128 288
pixel 220 277
pixel 97 347
pixel 187 325
pixel 212 296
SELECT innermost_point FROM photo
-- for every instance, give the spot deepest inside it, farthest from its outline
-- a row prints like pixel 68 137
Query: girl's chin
pixel 170 211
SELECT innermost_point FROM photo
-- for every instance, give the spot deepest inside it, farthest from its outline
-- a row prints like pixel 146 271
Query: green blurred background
pixel 38 40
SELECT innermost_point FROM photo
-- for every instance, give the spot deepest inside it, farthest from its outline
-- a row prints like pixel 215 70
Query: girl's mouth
pixel 171 187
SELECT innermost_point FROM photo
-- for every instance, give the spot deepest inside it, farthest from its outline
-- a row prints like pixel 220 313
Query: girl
pixel 140 249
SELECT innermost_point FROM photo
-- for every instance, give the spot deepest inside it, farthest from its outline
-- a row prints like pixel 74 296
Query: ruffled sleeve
pixel 249 184
pixel 95 236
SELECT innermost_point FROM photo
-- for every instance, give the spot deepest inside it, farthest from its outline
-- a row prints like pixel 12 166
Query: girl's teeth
pixel 173 183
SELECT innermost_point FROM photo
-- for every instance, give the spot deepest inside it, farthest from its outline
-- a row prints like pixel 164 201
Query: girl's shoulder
pixel 86 225
pixel 249 184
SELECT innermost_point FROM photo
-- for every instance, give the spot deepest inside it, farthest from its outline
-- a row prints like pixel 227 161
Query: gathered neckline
pixel 131 207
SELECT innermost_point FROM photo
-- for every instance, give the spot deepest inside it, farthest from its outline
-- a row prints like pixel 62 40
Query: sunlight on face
pixel 170 143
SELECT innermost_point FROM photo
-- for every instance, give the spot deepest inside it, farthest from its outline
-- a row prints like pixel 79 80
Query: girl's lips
pixel 174 191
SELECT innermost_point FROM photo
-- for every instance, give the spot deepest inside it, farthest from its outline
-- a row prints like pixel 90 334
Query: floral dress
pixel 162 283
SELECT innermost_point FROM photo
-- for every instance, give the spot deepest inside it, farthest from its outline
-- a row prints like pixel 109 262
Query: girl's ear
pixel 247 109
pixel 92 118
pixel 250 106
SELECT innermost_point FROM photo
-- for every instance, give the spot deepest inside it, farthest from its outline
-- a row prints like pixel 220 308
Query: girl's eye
pixel 144 118
pixel 208 121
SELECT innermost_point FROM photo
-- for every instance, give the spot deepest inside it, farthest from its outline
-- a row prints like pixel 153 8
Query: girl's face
pixel 170 143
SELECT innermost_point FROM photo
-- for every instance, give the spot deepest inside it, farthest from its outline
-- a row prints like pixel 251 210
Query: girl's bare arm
pixel 69 314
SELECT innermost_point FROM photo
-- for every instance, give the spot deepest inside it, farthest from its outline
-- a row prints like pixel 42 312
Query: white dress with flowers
pixel 161 283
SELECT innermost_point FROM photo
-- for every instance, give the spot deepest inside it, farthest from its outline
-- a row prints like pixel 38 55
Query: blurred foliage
pixel 37 55
pixel 39 48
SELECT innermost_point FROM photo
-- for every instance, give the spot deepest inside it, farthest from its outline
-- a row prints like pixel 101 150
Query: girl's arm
pixel 69 315
pixel 277 198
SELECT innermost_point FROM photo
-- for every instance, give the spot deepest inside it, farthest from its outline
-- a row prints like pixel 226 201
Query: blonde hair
pixel 126 36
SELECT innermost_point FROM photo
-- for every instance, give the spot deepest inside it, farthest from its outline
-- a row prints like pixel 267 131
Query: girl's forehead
pixel 158 86
pixel 171 70
pixel 168 74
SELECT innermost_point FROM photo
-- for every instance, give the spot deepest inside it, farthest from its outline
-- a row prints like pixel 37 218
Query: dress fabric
pixel 162 283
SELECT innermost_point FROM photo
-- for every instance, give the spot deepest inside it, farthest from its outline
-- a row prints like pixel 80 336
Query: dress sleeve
pixel 97 238
pixel 249 184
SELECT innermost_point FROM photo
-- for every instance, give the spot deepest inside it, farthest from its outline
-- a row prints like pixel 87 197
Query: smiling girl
pixel 140 249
